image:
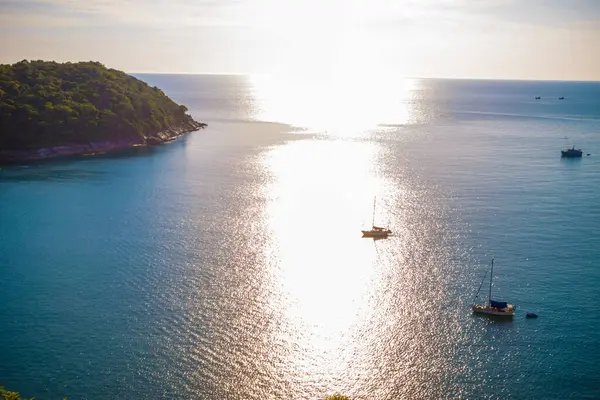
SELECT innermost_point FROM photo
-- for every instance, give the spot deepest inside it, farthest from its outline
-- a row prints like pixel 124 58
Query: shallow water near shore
pixel 230 264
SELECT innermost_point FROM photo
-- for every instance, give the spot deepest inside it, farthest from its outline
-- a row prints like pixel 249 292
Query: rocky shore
pixel 94 148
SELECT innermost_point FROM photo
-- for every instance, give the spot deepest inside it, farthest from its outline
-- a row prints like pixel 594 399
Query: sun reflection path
pixel 350 313
pixel 354 311
pixel 318 200
pixel 342 106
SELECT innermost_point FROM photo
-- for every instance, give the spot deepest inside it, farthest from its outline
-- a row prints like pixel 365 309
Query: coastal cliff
pixel 50 110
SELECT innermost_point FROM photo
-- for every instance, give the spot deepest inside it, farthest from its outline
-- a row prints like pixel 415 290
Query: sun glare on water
pixel 343 106
pixel 314 211
pixel 319 196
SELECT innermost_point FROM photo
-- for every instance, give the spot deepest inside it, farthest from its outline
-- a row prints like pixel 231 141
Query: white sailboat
pixel 492 307
pixel 376 231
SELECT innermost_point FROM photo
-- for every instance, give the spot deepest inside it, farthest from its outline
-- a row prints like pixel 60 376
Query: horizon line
pixel 402 77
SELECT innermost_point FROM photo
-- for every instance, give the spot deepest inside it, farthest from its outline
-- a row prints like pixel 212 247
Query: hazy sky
pixel 529 39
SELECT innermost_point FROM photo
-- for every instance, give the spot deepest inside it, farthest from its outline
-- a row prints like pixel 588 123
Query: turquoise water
pixel 230 264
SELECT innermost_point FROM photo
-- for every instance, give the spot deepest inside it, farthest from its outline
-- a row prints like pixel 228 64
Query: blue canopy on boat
pixel 498 304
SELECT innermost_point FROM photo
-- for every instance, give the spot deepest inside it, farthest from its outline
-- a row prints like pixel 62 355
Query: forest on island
pixel 45 104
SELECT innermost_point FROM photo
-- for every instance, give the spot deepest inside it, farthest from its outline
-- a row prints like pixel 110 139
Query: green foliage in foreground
pixel 337 397
pixel 44 104
pixel 6 395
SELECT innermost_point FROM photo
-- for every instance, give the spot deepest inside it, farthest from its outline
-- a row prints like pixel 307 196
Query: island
pixel 50 109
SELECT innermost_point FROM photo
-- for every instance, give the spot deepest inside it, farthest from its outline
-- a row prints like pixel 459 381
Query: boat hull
pixel 496 312
pixel 376 234
pixel 571 153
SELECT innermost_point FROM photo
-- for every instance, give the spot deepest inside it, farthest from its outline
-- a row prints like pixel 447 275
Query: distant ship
pixel 561 98
pixel 376 232
pixel 537 97
pixel 571 153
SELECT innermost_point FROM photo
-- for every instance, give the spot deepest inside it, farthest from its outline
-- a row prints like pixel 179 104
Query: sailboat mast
pixel 491 276
pixel 374 202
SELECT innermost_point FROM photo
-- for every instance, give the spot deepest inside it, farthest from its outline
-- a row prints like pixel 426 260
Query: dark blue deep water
pixel 229 264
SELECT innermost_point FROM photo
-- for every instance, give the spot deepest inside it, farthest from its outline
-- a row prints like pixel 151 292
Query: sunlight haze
pixel 536 39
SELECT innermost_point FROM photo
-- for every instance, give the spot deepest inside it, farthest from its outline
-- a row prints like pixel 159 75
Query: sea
pixel 229 264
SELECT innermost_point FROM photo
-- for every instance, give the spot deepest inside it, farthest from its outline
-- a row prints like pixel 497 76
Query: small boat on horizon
pixel 571 153
pixel 376 231
pixel 492 307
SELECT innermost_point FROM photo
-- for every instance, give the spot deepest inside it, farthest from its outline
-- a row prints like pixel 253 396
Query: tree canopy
pixel 44 104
